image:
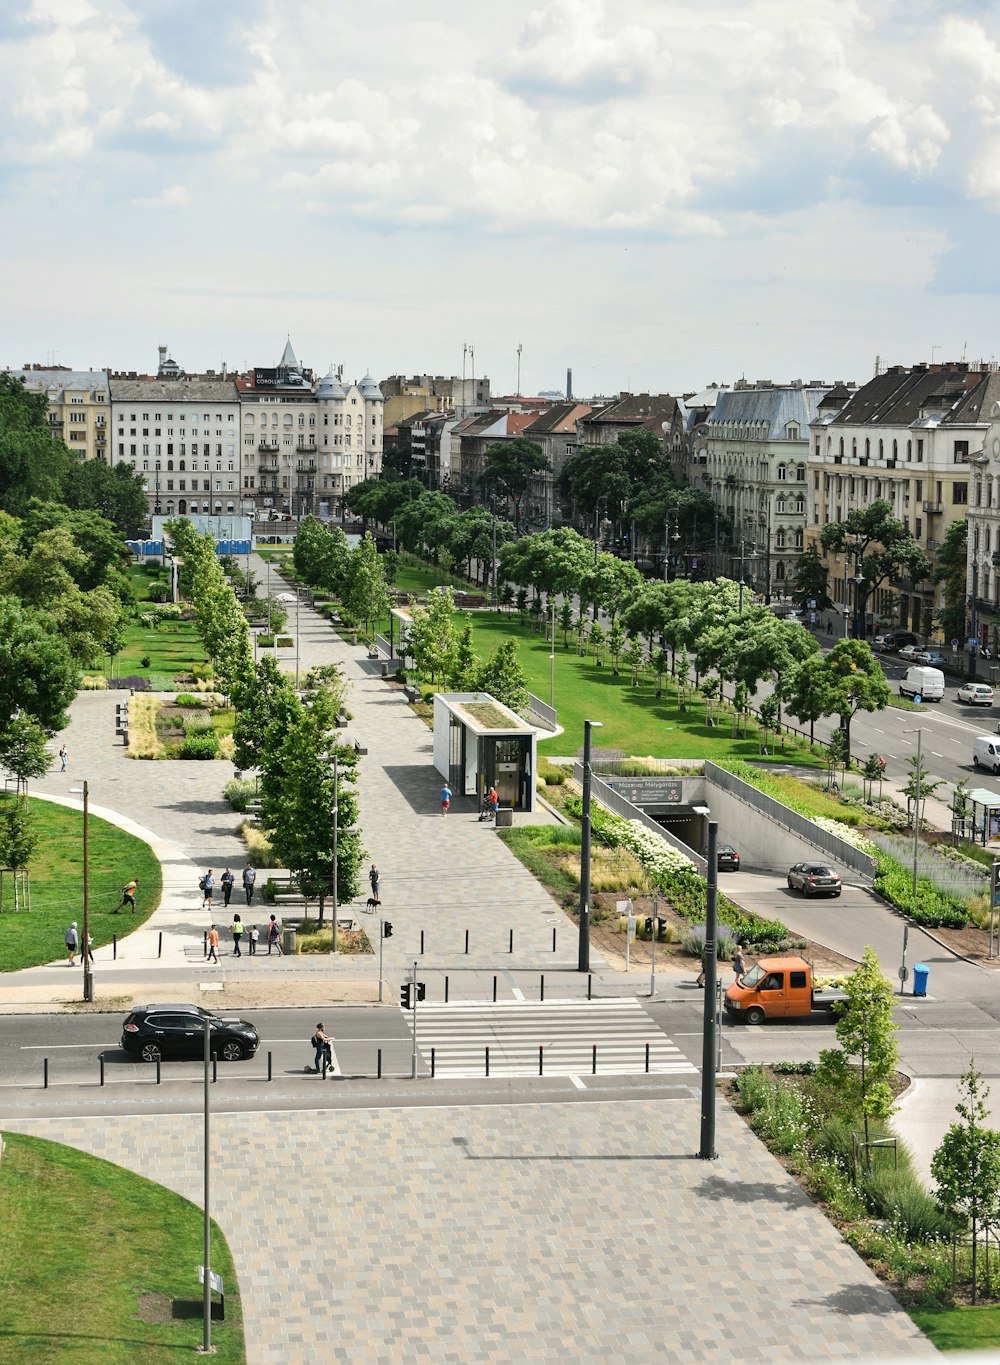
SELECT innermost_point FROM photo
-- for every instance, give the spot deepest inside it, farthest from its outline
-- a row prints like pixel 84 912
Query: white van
pixel 926 683
pixel 986 753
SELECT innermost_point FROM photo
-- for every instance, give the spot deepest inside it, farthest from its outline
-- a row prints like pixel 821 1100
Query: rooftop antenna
pixel 518 370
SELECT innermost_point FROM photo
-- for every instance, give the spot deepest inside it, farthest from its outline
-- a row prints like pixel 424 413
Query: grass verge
pixel 960 1329
pixel 28 938
pixel 92 1260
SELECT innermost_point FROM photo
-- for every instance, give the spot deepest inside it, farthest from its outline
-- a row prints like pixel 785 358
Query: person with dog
pixel 374 876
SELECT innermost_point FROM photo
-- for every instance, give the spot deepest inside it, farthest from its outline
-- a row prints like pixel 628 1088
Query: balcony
pixel 933 508
pixel 268 445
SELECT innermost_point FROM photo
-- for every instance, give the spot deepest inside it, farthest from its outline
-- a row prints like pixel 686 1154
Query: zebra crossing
pixel 566 1031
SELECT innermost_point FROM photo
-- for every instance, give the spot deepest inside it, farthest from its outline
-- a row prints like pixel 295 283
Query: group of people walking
pixel 272 932
pixel 206 885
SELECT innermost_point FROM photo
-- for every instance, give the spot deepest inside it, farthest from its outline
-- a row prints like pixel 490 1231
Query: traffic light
pixel 386 928
pixel 421 990
pixel 649 924
pixel 404 995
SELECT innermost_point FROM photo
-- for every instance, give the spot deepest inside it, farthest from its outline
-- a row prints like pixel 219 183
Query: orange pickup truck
pixel 779 988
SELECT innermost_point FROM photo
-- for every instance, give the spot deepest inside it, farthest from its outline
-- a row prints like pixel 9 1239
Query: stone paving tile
pixel 516 1233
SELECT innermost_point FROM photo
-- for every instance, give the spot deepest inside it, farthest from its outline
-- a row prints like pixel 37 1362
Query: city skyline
pixel 654 198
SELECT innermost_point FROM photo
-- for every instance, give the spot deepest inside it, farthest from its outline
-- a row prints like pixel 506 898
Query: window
pixel 918 530
pixel 920 450
pixel 960 493
pixel 800 473
pixel 961 452
pixel 799 539
pixel 782 471
pixel 919 494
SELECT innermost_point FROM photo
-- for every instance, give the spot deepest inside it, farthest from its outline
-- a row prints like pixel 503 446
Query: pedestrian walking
pixel 128 896
pixel 249 877
pixel 63 758
pixel 236 929
pixel 273 936
pixel 445 799
pixel 72 943
pixel 375 878
pixel 493 801
pixel 90 948
pixel 207 884
pixel 323 1045
pixel 213 944
pixel 254 938
pixel 740 966
pixel 226 881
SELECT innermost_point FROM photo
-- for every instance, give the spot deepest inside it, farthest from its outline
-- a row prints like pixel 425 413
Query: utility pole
pixel 518 369
pixel 583 960
pixel 336 817
pixel 710 967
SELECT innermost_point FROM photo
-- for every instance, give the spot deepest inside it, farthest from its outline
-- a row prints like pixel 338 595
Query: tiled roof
pixel 637 409
pixel 902 398
pixel 173 390
pixel 774 406
pixel 562 417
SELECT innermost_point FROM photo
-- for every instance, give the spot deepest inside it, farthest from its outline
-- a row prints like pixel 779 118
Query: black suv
pixel 155 1031
pixel 893 641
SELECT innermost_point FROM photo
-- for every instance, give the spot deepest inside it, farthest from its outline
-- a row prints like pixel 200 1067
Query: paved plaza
pixel 516 1233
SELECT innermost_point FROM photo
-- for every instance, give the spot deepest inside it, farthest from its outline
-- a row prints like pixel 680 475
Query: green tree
pixel 37 672
pixel 920 780
pixel 32 460
pixel 509 466
pixel 597 638
pixel 809 582
pixel 566 620
pixel 966 1165
pixel 886 548
pixel 465 662
pixel 23 750
pixel 951 571
pixel 257 701
pixel 767 648
pixel 867 1035
pixel 806 693
pixel 432 636
pixel 852 681
pixel 872 773
pixel 616 643
pixel 503 677
pixel 18 839
pixel 634 658
pixel 117 492
pixel 366 596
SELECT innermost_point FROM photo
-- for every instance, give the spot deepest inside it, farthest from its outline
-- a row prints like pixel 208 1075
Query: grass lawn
pixel 173 648
pixel 92 1258
pixel 28 938
pixel 142 582
pixel 960 1329
pixel 633 720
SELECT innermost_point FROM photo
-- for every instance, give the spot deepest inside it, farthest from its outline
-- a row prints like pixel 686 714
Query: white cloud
pixel 173 197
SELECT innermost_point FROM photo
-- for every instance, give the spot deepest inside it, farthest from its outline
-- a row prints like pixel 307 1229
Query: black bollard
pixel 467 943
pixel 114 947
pixel 590 984
pixel 157 1071
pixel 446 990
pixel 541 1054
pixel 432 1063
pixel 45 1073
pixel 647 1059
pixel 593 1061
pixel 379 1073
pixel 269 1066
pixel 215 1067
pixel 494 990
pixel 553 938
pixel 541 993
pixel 159 946
pixel 204 942
pixel 487 1059
pixel 510 946
pixel 101 1059
pixel 421 942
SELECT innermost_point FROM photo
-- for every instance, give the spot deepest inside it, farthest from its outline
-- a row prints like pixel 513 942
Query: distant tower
pixel 569 384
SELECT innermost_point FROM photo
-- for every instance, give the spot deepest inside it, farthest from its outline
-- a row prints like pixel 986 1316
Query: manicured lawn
pixel 28 938
pixel 92 1258
pixel 634 721
pixel 142 582
pixel 173 648
pixel 960 1329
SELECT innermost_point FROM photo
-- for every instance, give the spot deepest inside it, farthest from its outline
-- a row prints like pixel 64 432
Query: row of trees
pixel 358 578
pixel 290 739
pixel 444 653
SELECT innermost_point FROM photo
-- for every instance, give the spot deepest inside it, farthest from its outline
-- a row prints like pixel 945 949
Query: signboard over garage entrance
pixel 643 791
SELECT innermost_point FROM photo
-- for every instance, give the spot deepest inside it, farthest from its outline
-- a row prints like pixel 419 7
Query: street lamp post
pixel 88 978
pixel 336 817
pixel 583 962
pixel 743 557
pixel 916 807
pixel 552 660
pixel 973 649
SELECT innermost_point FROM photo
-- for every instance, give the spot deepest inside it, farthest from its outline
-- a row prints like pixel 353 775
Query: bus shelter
pixel 479 743
pixel 985 815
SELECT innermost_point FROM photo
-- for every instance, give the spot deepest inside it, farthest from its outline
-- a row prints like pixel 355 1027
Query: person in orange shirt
pixel 213 944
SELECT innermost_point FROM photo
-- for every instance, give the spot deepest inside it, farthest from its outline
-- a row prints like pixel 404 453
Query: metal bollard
pixel 421 942
pixel 467 943
pixel 553 938
pixel 269 1066
pixel 541 993
pixel 541 1053
pixel 204 942
pixel 487 1059
pixel 157 1071
pixel 215 1067
pixel 494 990
pixel 647 1059
pixel 510 946
pixel 593 1061
pixel 45 1073
pixel 114 947
pixel 590 984
pixel 101 1060
pixel 159 946
pixel 379 1073
pixel 432 1063
pixel 446 990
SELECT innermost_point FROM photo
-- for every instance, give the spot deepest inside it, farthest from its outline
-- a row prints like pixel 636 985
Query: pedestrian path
pixel 566 1032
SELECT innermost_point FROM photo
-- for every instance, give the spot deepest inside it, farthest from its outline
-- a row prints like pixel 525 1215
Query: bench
pixel 360 748
pixel 410 693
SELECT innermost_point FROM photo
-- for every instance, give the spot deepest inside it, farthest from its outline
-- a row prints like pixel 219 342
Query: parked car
pixel 911 653
pixel 893 640
pixel 814 879
pixel 162 1031
pixel 779 988
pixel 728 858
pixel 933 657
pixel 976 694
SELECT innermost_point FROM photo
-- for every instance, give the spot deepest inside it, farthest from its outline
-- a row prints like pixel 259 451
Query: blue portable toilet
pixel 920 974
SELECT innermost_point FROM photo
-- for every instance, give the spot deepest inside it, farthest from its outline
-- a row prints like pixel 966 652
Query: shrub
pixel 133 683
pixel 93 682
pixel 189 699
pixel 258 845
pixel 897 1195
pixel 930 906
pixel 144 662
pixel 552 774
pixel 200 746
pixel 159 592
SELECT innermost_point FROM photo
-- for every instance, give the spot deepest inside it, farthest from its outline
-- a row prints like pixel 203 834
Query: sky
pixel 659 195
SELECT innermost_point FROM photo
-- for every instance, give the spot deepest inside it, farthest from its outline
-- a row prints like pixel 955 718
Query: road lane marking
pixel 577 1082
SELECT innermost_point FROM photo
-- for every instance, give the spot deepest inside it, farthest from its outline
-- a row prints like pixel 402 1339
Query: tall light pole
pixel 88 978
pixel 552 660
pixel 583 962
pixel 916 803
pixel 709 965
pixel 297 601
pixel 973 649
pixel 336 817
pixel 743 558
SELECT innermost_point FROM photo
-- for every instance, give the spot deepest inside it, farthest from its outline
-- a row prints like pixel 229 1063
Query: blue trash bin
pixel 920 974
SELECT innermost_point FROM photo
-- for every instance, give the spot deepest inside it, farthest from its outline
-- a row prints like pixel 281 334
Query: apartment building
pixel 925 439
pixel 79 405
pixel 183 436
pixel 405 397
pixel 750 456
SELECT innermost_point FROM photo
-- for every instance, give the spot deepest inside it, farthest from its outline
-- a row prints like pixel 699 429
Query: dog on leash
pixel 373 903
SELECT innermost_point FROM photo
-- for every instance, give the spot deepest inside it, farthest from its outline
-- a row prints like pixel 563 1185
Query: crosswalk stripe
pixel 567 1032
